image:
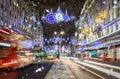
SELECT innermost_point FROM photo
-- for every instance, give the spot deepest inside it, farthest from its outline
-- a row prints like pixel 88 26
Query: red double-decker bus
pixel 8 50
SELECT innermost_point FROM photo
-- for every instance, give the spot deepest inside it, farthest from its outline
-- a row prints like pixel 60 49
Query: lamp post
pixel 58 40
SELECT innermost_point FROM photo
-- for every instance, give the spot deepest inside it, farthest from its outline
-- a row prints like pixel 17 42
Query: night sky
pixel 73 8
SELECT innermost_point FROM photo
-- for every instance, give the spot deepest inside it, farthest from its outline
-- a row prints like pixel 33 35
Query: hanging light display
pixel 50 17
pixel 59 15
pixel 29 25
pixel 56 17
pixel 43 17
pixel 66 17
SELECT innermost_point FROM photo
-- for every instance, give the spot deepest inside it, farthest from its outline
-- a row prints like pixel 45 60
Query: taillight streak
pixel 13 62
pixel 4 31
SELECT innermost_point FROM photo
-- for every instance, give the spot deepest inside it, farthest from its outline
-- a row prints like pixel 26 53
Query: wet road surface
pixel 34 71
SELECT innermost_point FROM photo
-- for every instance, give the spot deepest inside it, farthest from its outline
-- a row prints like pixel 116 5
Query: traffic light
pixel 57 54
pixel 42 53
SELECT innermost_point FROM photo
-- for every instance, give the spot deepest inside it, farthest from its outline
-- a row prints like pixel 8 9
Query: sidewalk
pixel 59 71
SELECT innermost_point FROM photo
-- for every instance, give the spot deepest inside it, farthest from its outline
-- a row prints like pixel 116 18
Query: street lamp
pixel 55 33
pixel 61 33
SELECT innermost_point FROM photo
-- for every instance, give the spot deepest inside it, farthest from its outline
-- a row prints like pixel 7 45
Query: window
pixel 118 11
pixel 5 11
pixel 99 34
pixel 0 1
pixel 2 8
pixel 107 29
pixel 110 29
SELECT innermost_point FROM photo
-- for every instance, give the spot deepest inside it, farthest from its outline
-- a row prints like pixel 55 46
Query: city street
pixel 63 68
pixel 70 68
pixel 59 39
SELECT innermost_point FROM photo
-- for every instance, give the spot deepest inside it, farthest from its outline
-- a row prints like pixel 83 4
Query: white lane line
pixel 92 72
pixel 74 58
pixel 106 65
pixel 109 72
pixel 71 58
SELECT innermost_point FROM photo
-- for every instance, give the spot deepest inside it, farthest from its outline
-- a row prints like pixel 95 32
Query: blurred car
pixel 25 61
pixel 8 63
pixel 50 56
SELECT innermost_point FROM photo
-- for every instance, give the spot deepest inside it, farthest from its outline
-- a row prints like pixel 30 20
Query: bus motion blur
pixel 9 55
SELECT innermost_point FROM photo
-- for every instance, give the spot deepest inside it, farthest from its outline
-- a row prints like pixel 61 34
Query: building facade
pixel 38 37
pixel 99 28
pixel 16 16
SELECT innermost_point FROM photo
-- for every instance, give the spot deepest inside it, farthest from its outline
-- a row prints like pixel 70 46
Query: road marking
pixel 113 73
pixel 92 72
